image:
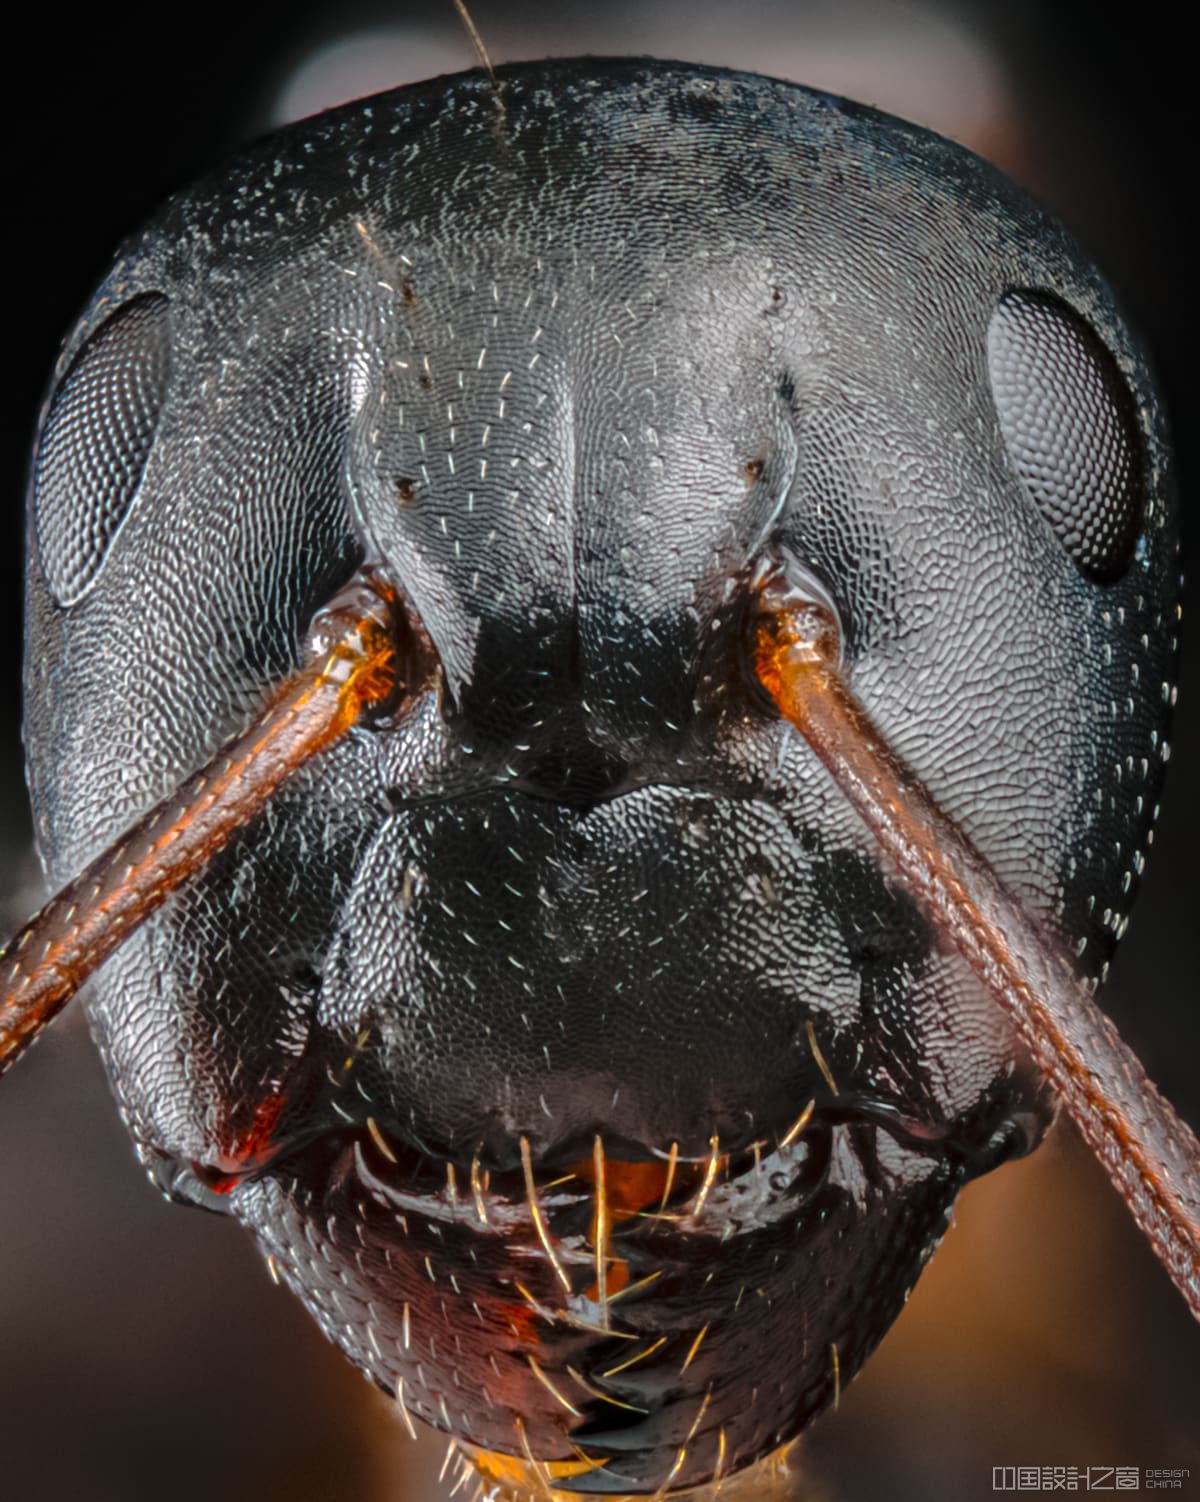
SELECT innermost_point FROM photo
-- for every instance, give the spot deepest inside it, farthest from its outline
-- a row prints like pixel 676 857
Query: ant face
pixel 560 1034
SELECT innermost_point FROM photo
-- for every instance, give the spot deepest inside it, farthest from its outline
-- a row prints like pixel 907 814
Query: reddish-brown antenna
pixel 354 665
pixel 1148 1152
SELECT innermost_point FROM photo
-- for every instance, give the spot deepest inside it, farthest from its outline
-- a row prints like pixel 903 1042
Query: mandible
pixel 572 1042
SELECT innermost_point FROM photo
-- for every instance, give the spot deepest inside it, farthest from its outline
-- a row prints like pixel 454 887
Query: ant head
pixel 558 952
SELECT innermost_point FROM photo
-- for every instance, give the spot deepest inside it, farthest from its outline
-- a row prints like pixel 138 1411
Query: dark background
pixel 143 1352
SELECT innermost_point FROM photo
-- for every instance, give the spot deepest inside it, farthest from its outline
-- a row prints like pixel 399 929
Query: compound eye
pixel 1070 425
pixel 96 441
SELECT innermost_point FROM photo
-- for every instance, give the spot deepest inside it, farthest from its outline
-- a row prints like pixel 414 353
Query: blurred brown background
pixel 143 1352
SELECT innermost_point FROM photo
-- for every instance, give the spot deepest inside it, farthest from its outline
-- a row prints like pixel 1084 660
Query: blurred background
pixel 144 1354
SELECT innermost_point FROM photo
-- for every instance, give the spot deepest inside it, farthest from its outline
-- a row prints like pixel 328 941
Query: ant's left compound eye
pixel 96 441
pixel 1070 426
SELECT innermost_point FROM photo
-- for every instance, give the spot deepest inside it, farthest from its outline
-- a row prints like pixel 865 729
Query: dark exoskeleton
pixel 560 1032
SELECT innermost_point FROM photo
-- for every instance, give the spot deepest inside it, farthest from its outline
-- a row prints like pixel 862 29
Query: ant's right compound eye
pixel 1070 427
pixel 96 442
